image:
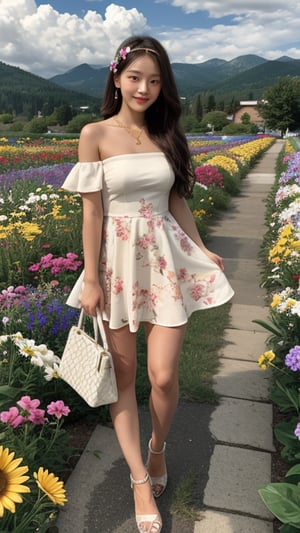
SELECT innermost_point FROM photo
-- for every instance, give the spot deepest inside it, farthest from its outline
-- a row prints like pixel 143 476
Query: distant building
pixel 249 106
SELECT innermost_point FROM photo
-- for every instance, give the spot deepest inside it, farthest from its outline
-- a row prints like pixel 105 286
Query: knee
pixel 163 382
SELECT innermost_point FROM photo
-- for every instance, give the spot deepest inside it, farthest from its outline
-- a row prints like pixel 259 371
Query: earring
pixel 116 94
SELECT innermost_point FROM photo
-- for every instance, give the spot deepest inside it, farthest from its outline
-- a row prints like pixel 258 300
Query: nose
pixel 143 87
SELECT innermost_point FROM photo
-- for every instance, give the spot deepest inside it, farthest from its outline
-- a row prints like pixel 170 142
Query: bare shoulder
pixel 90 140
pixel 92 131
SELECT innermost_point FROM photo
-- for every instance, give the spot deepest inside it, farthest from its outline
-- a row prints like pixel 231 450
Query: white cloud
pixel 46 42
pixel 217 9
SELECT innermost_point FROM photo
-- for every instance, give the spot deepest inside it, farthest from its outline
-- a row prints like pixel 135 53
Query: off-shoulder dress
pixel 149 269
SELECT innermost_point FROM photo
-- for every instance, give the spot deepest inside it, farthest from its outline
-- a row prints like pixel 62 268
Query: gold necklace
pixel 136 135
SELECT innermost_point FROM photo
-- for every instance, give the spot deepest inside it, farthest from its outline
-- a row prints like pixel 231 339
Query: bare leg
pixel 124 413
pixel 164 346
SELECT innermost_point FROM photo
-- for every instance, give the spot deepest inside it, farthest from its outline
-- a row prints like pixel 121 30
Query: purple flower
pixel 297 431
pixel 292 359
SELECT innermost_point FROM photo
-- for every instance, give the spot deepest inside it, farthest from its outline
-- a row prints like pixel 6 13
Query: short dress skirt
pixel 149 268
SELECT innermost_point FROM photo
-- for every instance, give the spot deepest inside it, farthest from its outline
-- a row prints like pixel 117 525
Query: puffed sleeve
pixel 84 177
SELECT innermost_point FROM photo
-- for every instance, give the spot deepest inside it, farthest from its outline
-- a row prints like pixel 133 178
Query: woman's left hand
pixel 215 258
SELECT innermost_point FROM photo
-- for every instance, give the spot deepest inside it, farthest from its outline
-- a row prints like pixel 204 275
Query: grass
pixel 183 502
pixel 199 361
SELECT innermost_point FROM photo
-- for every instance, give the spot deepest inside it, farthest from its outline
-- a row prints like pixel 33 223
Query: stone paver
pixel 243 344
pixel 235 476
pixel 243 423
pixel 217 522
pixel 242 379
pixel 242 316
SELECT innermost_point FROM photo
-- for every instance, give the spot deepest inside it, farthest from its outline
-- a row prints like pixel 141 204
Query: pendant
pixel 138 141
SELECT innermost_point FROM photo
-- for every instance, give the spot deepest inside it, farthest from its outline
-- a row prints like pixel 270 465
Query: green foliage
pixel 235 129
pixel 76 124
pixel 6 118
pixel 36 125
pixel 281 105
pixel 245 118
pixel 218 119
pixel 17 126
pixel 25 93
pixel 63 114
pixel 283 500
pixel 284 433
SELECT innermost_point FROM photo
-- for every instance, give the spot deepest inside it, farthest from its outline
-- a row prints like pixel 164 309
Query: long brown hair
pixel 163 116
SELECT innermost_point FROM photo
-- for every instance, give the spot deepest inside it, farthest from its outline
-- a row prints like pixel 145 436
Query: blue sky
pixel 51 37
pixel 159 14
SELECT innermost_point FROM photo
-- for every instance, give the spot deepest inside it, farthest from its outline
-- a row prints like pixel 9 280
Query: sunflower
pixel 11 481
pixel 51 486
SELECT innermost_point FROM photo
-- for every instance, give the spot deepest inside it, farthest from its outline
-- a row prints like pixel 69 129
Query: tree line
pixel 203 112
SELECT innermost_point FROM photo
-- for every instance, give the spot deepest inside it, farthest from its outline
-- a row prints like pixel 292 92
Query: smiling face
pixel 139 83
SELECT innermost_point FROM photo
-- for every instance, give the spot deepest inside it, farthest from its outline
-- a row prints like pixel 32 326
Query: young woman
pixel 144 261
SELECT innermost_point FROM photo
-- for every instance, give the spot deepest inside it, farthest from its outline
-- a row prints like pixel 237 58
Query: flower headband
pixel 123 54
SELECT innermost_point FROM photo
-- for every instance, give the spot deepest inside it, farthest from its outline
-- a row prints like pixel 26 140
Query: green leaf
pixel 267 326
pixel 288 528
pixel 284 432
pixel 283 500
pixel 293 471
pixel 7 391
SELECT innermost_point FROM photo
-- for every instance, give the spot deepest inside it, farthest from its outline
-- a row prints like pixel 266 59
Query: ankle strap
pixel 139 481
pixel 155 452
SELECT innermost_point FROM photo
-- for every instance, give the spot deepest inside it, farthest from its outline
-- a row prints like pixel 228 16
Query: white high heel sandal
pixel 153 519
pixel 158 483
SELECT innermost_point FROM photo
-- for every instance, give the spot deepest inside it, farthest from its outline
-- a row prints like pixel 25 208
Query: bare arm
pixel 92 294
pixel 181 212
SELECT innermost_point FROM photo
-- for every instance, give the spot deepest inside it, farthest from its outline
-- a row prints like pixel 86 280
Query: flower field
pixel 40 259
pixel 281 257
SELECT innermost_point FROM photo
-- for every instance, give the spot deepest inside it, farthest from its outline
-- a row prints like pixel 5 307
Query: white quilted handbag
pixel 87 366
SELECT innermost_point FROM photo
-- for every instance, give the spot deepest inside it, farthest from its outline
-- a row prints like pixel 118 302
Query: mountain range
pixel 243 78
pixel 242 74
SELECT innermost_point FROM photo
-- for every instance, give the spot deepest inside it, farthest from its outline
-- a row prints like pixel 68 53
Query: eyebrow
pixel 135 71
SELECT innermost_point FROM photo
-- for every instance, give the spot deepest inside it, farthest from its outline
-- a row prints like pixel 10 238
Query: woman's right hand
pixel 92 297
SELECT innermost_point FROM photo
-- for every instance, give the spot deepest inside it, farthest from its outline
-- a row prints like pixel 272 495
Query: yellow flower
pixel 51 486
pixel 276 300
pixel 11 481
pixel 266 359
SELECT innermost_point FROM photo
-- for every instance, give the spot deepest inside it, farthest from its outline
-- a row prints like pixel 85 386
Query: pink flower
pixel 12 417
pixel 118 285
pixel 58 409
pixel 146 209
pixel 162 262
pixel 35 267
pixel 183 274
pixel 124 51
pixel 145 241
pixel 186 246
pixel 37 416
pixel 197 291
pixel 28 404
pixel 122 230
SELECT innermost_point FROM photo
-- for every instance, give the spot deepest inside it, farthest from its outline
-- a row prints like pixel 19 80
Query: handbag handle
pixel 98 326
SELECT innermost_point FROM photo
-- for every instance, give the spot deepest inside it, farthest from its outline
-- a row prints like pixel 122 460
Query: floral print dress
pixel 150 270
